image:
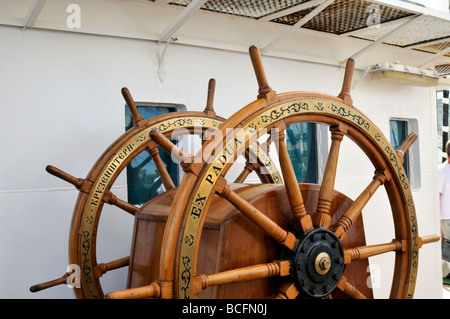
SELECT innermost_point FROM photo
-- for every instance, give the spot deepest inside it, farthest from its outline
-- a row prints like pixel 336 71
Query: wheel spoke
pixel 322 217
pixel 137 117
pixel 200 282
pixel 161 168
pixel 52 283
pixel 290 181
pixel 277 268
pixel 110 198
pixel 262 171
pixel 252 154
pixel 266 145
pixel 347 83
pixel 185 159
pixel 102 268
pixel 264 90
pixel 83 185
pixel 349 290
pixel 347 219
pixel 288 290
pixel 363 252
pixel 407 143
pixel 280 235
pixel 249 167
pixel 209 109
pixel 428 240
pixel 251 164
pixel 157 289
pixel 99 270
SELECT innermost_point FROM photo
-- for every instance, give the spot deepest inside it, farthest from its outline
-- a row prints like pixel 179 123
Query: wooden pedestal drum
pixel 229 240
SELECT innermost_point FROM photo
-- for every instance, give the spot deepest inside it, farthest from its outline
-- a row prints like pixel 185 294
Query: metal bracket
pixel 33 14
pixel 162 48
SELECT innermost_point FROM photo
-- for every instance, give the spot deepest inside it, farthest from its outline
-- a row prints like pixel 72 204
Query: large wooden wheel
pixel 315 250
pixel 95 189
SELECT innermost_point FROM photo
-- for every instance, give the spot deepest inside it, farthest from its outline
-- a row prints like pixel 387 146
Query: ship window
pixel 301 141
pixel 143 181
pixel 442 103
pixel 307 146
pixel 399 130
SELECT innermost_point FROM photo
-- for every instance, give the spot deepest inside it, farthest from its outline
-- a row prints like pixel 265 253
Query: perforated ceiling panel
pixel 443 70
pixel 423 29
pixel 360 19
pixel 345 16
pixel 245 8
pixel 435 48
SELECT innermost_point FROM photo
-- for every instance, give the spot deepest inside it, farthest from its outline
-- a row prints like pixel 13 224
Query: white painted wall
pixel 60 104
pixel 435 4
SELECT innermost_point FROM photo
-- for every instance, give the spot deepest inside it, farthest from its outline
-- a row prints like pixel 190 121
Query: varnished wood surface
pixel 183 250
pixel 230 240
pixel 188 240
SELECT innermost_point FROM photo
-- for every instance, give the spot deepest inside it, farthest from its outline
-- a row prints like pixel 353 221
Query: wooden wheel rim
pixel 88 208
pixel 178 260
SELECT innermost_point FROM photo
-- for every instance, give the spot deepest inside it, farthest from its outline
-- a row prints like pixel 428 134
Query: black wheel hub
pixel 319 263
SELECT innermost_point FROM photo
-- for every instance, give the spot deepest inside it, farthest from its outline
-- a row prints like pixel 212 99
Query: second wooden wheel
pixel 317 240
pixel 95 189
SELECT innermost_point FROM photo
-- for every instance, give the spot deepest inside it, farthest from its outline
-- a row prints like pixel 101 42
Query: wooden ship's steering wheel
pixel 283 241
pixel 95 189
pixel 213 238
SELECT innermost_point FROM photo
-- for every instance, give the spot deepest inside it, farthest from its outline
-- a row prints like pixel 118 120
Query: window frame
pixel 140 105
pixel 321 140
pixel 413 154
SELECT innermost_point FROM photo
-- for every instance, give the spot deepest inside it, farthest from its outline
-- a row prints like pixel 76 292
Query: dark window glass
pixel 143 178
pixel 301 141
pixel 399 132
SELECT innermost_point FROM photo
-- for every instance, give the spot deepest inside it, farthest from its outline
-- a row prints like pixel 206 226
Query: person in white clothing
pixel 444 195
